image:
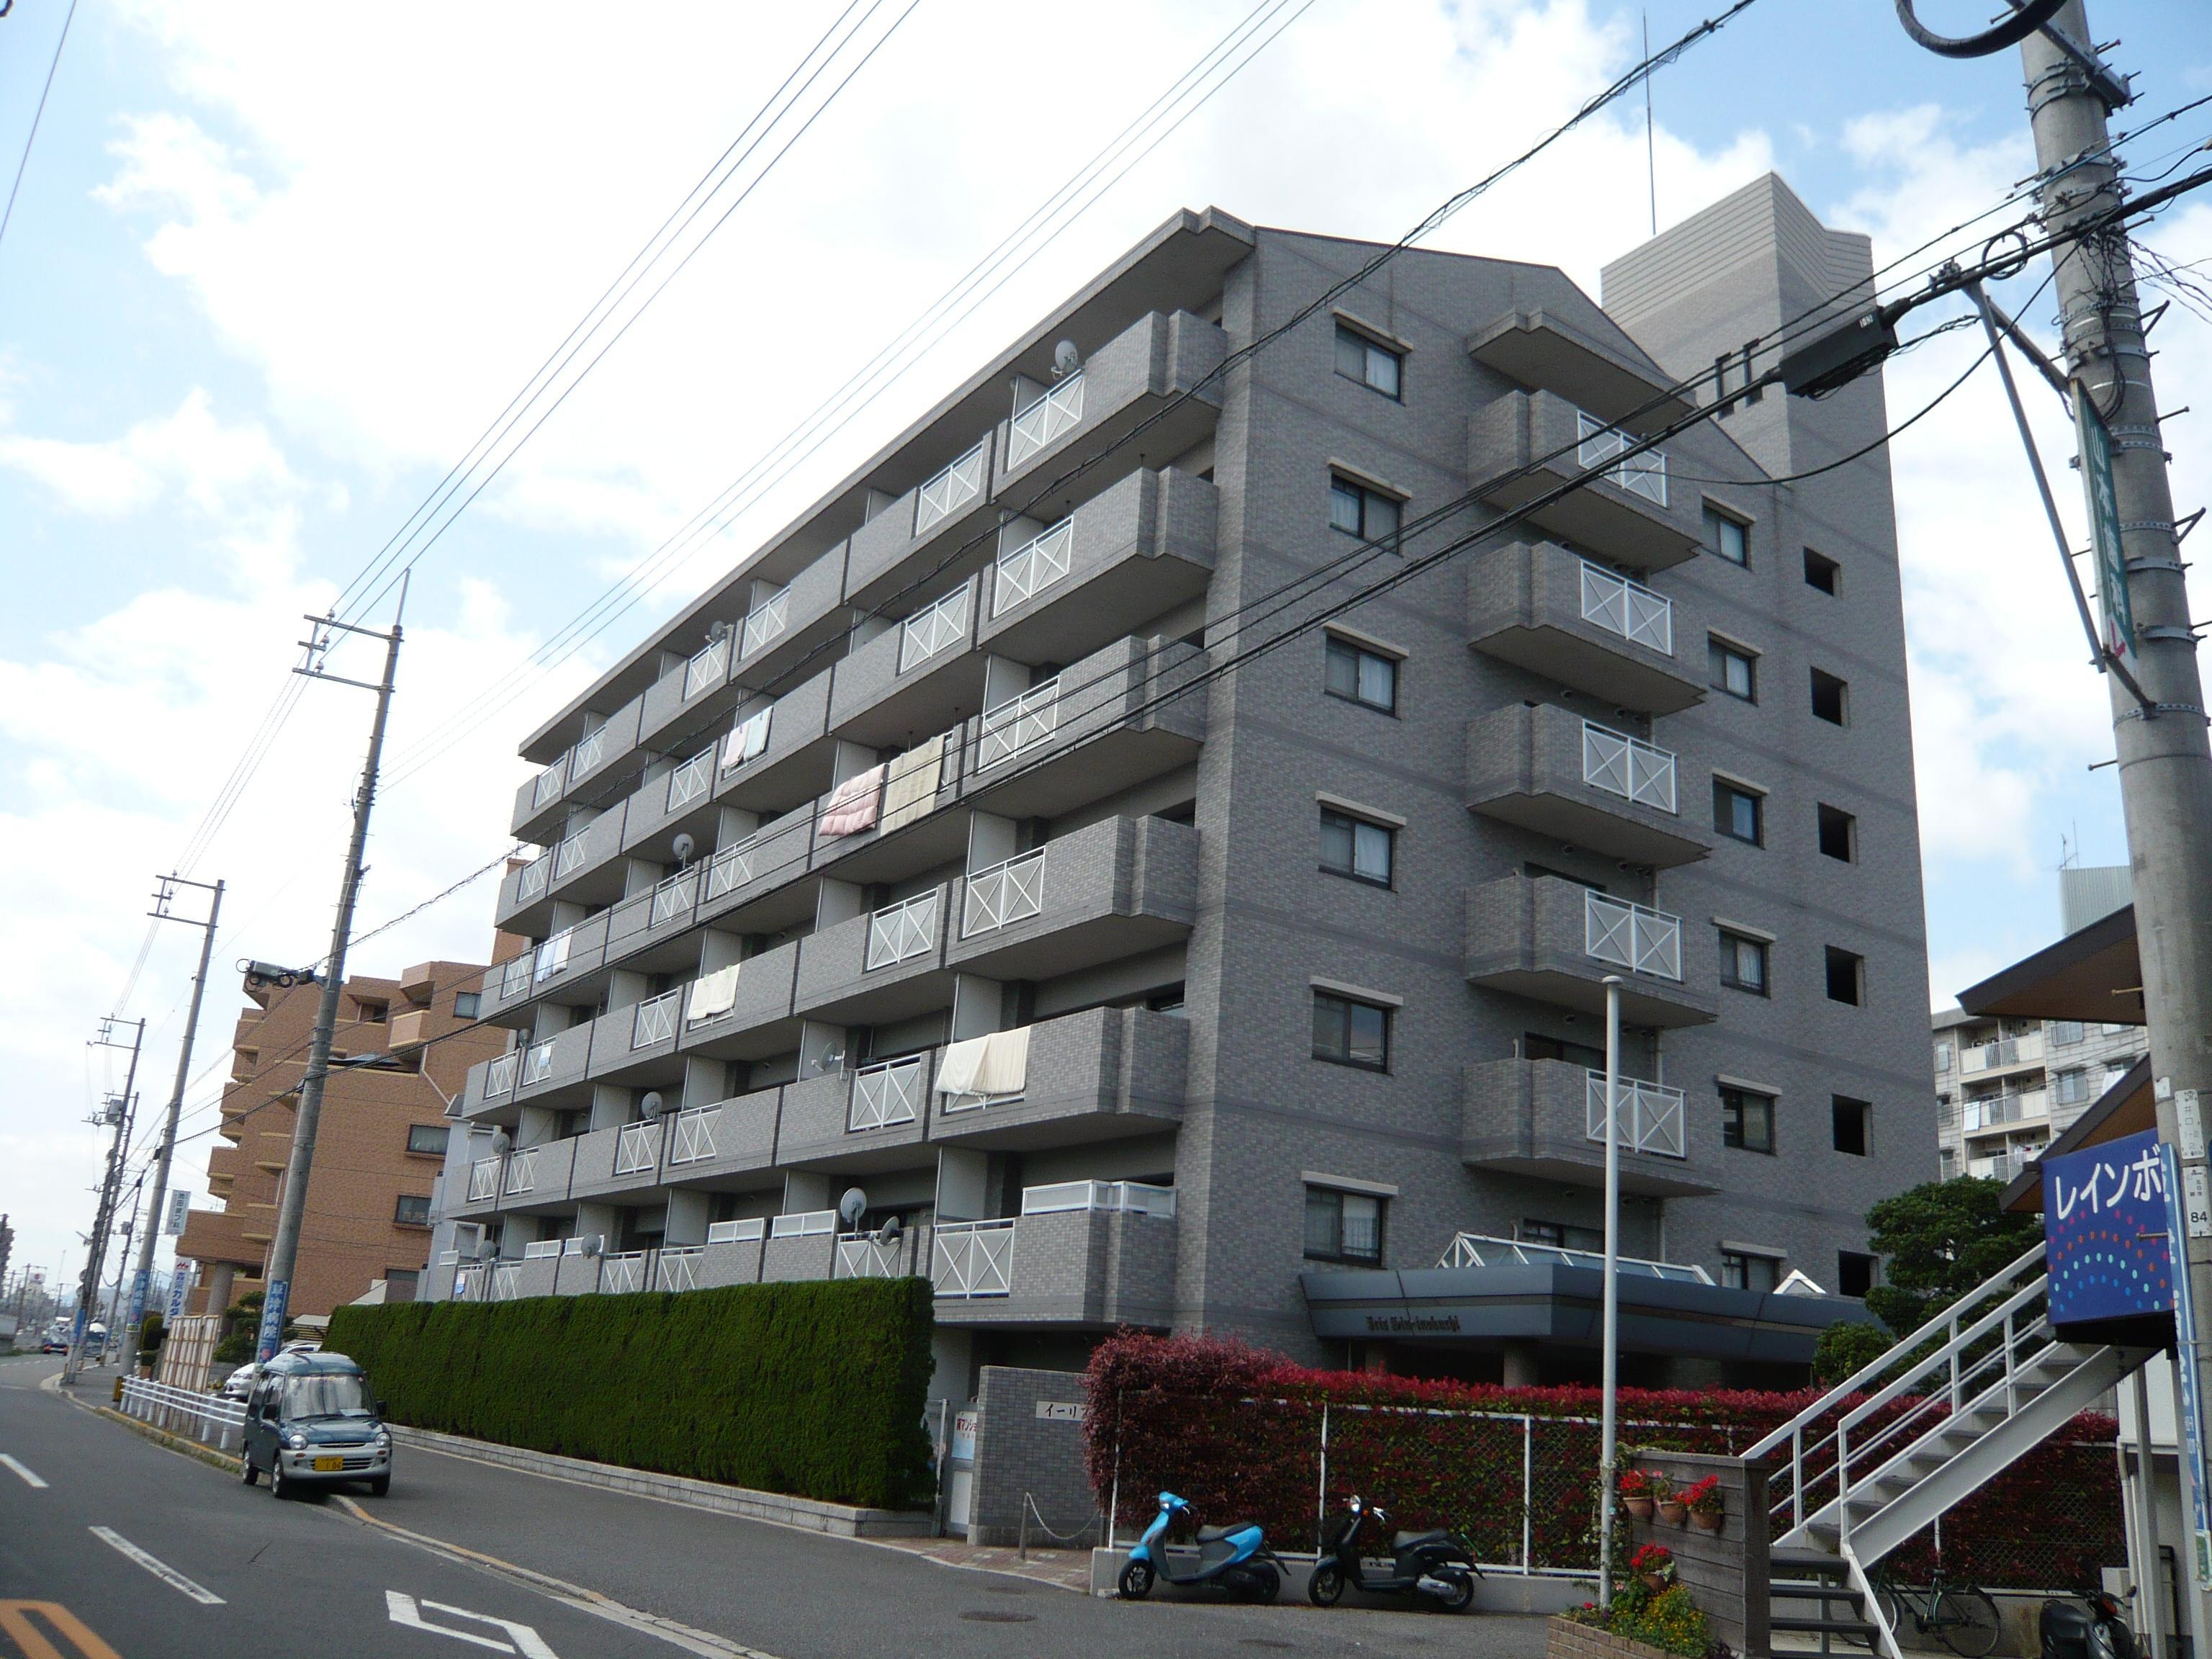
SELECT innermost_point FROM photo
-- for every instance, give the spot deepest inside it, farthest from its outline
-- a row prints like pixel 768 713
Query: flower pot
pixel 1707 1520
pixel 1639 1507
pixel 1654 1582
pixel 1671 1512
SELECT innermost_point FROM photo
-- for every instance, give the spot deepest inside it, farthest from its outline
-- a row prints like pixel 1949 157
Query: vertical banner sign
pixel 272 1319
pixel 141 1281
pixel 2119 620
pixel 2192 1410
pixel 181 1283
pixel 180 1208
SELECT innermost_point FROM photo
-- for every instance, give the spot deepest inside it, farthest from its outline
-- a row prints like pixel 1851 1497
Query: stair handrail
pixel 1950 1351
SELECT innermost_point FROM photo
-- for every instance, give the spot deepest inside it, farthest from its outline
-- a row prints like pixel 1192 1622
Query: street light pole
pixel 1609 1423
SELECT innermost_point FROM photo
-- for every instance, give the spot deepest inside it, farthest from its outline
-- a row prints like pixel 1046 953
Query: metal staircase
pixel 1943 1412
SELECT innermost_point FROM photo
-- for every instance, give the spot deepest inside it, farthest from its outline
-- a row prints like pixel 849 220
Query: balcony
pixel 784 629
pixel 860 1122
pixel 1098 1075
pixel 875 969
pixel 1542 608
pixel 623 1158
pixel 1526 444
pixel 648 931
pixel 1132 378
pixel 942 514
pixel 775 756
pixel 1544 1120
pixel 1109 890
pixel 1081 1253
pixel 710 1146
pixel 683 702
pixel 1096 727
pixel 759 1021
pixel 636 1046
pixel 754 885
pixel 1575 359
pixel 584 868
pixel 2003 1056
pixel 1572 780
pixel 569 966
pixel 551 1074
pixel 1121 560
pixel 679 801
pixel 579 773
pixel 916 787
pixel 1998 1112
pixel 920 675
pixel 1554 941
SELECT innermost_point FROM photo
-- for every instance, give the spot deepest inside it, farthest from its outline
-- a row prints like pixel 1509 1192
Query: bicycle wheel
pixel 1896 1612
pixel 1968 1621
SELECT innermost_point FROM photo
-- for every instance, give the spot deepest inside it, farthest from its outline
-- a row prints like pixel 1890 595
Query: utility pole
pixel 283 1251
pixel 1609 1362
pixel 115 1304
pixel 117 1111
pixel 164 895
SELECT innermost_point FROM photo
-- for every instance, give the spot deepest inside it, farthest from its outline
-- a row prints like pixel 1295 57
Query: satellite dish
pixel 651 1105
pixel 888 1232
pixel 594 1244
pixel 1066 359
pixel 832 1059
pixel 500 1140
pixel 852 1207
pixel 683 845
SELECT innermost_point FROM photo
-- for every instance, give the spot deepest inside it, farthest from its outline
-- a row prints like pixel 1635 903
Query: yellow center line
pixel 16 1625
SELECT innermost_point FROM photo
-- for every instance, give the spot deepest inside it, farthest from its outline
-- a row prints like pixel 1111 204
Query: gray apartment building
pixel 948 853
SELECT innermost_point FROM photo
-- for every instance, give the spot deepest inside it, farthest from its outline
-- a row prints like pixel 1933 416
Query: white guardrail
pixel 207 1418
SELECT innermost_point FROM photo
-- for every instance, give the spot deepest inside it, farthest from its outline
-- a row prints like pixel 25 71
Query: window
pixel 1853 1125
pixel 1943 1056
pixel 1360 511
pixel 1821 572
pixel 1741 1270
pixel 2065 1033
pixel 1853 1272
pixel 1846 977
pixel 1344 1226
pixel 1534 1045
pixel 400 1284
pixel 1728 536
pixel 1353 847
pixel 412 1211
pixel 1359 675
pixel 1361 359
pixel 1839 833
pixel 2115 1070
pixel 1349 1033
pixel 372 1014
pixel 1740 813
pixel 466 1003
pixel 1732 670
pixel 1559 1235
pixel 1746 1120
pixel 428 1137
pixel 1743 963
pixel 1830 698
pixel 2071 1087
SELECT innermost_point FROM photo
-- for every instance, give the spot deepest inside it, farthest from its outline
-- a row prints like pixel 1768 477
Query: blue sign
pixel 2106 1225
pixel 272 1319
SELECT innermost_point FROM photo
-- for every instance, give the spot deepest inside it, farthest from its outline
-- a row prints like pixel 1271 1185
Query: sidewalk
pixel 1063 1569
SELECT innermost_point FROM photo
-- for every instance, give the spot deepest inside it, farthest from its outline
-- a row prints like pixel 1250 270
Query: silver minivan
pixel 310 1421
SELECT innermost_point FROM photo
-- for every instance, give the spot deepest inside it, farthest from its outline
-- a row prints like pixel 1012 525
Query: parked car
pixel 240 1383
pixel 54 1345
pixel 310 1420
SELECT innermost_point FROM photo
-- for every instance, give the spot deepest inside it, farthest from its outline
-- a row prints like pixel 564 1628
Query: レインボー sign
pixel 2106 1222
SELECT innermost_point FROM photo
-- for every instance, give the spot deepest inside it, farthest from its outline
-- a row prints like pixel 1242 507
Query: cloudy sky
pixel 274 268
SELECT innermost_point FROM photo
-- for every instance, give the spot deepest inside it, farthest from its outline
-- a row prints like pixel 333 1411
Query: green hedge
pixel 816 1389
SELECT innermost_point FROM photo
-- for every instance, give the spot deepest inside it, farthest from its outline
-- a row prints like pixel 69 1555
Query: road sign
pixel 519 1638
pixel 2113 603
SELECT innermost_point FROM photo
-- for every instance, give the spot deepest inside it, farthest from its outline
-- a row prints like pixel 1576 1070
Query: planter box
pixel 1565 1639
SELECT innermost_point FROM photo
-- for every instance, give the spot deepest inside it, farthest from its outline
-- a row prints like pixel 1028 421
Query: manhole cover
pixel 997 1616
pixel 1007 1589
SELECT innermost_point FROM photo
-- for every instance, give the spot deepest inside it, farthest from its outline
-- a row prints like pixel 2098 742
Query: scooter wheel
pixel 1136 1581
pixel 1325 1588
pixel 1266 1584
pixel 1462 1596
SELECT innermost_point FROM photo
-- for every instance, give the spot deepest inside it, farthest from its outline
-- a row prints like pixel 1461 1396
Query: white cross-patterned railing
pixel 1629 936
pixel 589 750
pixel 637 1147
pixel 1018 722
pixel 695 1134
pixel 934 628
pixel 538 1062
pixel 677 1268
pixel 1041 421
pixel 499 1076
pixel 1644 475
pixel 1034 566
pixel 899 931
pixel 886 1095
pixel 862 1256
pixel 1005 893
pixel 522 1169
pixel 535 874
pixel 1628 609
pixel 515 975
pixel 1651 1115
pixel 671 898
pixel 766 622
pixel 690 780
pixel 704 672
pixel 569 856
pixel 951 490
pixel 506 1280
pixel 483 1180
pixel 973 1258
pixel 729 870
pixel 1627 767
pixel 655 1019
pixel 548 786
pixel 620 1275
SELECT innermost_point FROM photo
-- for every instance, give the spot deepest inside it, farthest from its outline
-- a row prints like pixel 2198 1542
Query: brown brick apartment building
pixel 381 1146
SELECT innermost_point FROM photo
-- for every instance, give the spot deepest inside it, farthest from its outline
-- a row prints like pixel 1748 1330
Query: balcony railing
pixel 768 623
pixel 748 739
pixel 1628 609
pixel 551 956
pixel 1125 1197
pixel 506 1280
pixel 483 1180
pixel 522 1170
pixel 621 1275
pixel 973 1258
pixel 1644 475
pixel 750 1231
pixel 538 1250
pixel 548 786
pixel 535 874
pixel 886 1095
pixel 655 1019
pixel 672 896
pixel 515 975
pixel 729 869
pixel 1629 936
pixel 899 931
pixel 940 497
pixel 1005 893
pixel 499 1076
pixel 704 672
pixel 1041 421
pixel 637 1147
pixel 803 1224
pixel 933 629
pixel 1034 566
pixel 590 749
pixel 538 1062
pixel 2009 1051
pixel 2003 1168
pixel 2022 1106
pixel 690 780
pixel 1018 722
pixel 568 857
pixel 677 1268
pixel 863 1256
pixel 1651 1115
pixel 1627 767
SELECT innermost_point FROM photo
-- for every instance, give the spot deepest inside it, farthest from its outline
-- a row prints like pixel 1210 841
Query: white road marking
pixel 28 1479
pixel 161 1570
pixel 405 1610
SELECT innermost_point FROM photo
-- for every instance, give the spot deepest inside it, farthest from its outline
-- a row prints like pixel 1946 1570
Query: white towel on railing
pixel 748 739
pixel 852 804
pixel 713 995
pixel 911 786
pixel 995 1064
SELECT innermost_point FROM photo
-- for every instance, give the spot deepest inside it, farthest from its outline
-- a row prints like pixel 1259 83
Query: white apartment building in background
pixel 2005 1088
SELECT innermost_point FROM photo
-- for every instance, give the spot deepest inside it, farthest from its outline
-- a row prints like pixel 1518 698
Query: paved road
pixel 743 1586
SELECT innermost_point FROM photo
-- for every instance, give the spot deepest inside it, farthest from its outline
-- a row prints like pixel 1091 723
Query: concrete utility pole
pixel 117 1113
pixel 163 1153
pixel 1609 1362
pixel 292 1204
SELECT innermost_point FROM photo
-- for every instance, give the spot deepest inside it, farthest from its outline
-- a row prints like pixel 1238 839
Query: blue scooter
pixel 1236 1557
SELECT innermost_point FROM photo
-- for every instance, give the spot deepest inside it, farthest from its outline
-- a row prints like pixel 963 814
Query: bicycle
pixel 1961 1616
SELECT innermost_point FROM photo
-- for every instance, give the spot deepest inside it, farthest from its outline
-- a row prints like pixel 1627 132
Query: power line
pixel 37 114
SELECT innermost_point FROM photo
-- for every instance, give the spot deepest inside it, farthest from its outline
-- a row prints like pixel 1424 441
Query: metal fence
pixel 207 1418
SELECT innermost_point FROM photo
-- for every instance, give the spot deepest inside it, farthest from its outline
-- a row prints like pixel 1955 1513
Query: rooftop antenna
pixel 1650 144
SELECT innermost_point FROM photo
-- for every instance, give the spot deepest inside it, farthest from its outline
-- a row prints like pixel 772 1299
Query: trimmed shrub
pixel 816 1390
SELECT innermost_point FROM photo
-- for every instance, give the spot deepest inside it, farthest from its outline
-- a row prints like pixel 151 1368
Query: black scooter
pixel 1437 1565
pixel 2094 1630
